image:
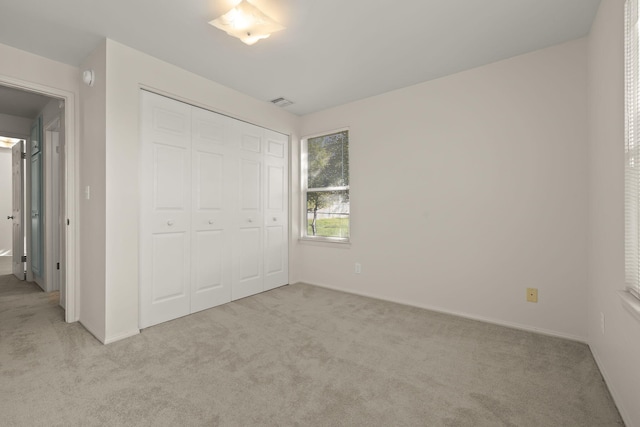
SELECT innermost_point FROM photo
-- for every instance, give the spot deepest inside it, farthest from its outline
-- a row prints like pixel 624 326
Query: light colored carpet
pixel 295 356
pixel 6 266
pixel 9 287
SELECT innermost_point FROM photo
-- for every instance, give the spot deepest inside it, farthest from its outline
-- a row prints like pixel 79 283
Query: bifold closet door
pixel 213 209
pixel 165 241
pixel 249 226
pixel 276 218
pixel 261 245
pixel 213 179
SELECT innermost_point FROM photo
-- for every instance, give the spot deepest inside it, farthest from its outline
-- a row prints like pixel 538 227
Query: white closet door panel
pixel 250 197
pixel 212 209
pixel 170 276
pixel 207 257
pixel 250 186
pixel 169 210
pixel 167 121
pixel 170 177
pixel 213 177
pixel 250 249
pixel 249 259
pixel 251 139
pixel 209 129
pixel 276 222
pixel 276 188
pixel 275 245
pixel 209 179
pixel 164 209
pixel 211 268
pixel 165 291
pixel 276 145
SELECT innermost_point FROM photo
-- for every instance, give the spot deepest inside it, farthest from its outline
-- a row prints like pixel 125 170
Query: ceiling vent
pixel 281 102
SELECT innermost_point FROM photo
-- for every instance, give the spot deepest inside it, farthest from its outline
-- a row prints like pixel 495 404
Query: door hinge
pixel 23 155
pixel 24 258
pixel 67 221
pixel 58 266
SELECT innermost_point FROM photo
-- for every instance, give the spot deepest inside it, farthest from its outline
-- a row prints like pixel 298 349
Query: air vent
pixel 281 102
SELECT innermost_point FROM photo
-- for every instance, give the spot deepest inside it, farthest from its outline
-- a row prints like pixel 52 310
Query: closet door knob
pixel 170 223
pixel 275 219
pixel 210 221
pixel 249 220
pixel 10 217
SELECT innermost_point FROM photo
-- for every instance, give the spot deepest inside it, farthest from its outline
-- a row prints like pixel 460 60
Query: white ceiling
pixel 332 51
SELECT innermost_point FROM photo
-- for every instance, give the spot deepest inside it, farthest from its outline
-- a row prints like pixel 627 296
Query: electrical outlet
pixel 532 294
pixel 358 268
pixel 602 322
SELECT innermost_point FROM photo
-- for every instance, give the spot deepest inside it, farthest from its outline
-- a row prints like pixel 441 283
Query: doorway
pixel 12 238
pixel 44 118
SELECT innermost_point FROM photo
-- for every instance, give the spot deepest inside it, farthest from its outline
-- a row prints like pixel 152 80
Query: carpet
pixel 294 356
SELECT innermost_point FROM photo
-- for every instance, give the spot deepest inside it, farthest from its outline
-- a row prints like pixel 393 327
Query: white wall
pixel 92 210
pixel 126 71
pixel 618 349
pixel 468 189
pixel 6 240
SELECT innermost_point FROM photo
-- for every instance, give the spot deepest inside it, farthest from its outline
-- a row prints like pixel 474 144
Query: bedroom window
pixel 632 150
pixel 325 187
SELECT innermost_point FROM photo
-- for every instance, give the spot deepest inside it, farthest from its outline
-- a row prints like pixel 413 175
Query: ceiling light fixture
pixel 246 22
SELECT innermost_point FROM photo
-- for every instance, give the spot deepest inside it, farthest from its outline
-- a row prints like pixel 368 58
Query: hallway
pixel 10 288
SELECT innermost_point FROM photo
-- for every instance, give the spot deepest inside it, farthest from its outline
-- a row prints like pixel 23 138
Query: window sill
pixel 630 303
pixel 329 243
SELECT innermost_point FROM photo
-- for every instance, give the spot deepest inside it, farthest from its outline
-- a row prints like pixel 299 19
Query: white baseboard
pixel 463 315
pixel 614 393
pixel 121 336
pixel 97 336
pixel 110 340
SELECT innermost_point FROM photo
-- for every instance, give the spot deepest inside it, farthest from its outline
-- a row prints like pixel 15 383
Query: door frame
pixel 71 168
pixel 52 224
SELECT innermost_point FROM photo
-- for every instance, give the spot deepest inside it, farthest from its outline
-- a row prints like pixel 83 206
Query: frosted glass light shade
pixel 247 22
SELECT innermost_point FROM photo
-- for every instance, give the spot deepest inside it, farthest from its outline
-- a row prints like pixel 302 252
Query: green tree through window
pixel 327 192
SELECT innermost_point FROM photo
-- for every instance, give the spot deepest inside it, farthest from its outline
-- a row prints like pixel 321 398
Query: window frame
pixel 304 171
pixel 632 149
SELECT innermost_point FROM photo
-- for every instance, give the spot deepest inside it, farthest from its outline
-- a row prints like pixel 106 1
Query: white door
pixel 276 207
pixel 51 207
pixel 36 218
pixel 248 259
pixel 206 183
pixel 54 220
pixel 165 241
pixel 62 243
pixel 212 154
pixel 17 175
